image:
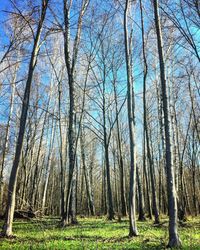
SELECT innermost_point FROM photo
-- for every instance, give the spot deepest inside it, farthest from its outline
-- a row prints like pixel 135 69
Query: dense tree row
pixel 100 112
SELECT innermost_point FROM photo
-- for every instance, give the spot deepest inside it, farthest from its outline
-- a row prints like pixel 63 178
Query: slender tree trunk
pixel 7 227
pixel 146 178
pixel 131 121
pixel 141 216
pixel 87 178
pixel 121 163
pixel 110 209
pixel 107 161
pixel 151 166
pixel 48 167
pixel 36 172
pixel 116 198
pixel 194 150
pixel 70 62
pixel 62 186
pixel 182 200
pixel 5 147
pixel 174 240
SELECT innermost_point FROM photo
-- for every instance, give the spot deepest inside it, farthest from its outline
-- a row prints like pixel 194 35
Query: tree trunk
pixel 151 166
pixel 7 227
pixel 5 147
pixel 121 163
pixel 131 121
pixel 48 167
pixel 70 62
pixel 174 240
pixel 87 178
pixel 141 216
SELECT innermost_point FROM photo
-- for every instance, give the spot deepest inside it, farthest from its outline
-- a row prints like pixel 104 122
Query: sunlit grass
pixel 97 233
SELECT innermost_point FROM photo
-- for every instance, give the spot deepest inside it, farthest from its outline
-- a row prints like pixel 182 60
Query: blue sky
pixel 4 6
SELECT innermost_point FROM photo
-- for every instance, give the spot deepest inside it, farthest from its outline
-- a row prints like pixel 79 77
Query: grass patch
pixel 97 233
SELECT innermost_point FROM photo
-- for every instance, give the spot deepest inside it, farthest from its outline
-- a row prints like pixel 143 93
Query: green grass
pixel 97 233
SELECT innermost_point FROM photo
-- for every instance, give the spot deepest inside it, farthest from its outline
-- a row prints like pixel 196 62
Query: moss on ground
pixel 97 233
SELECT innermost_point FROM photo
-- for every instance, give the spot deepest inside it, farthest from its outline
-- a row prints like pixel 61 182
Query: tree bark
pixel 141 216
pixel 107 161
pixel 174 240
pixel 131 121
pixel 48 167
pixel 87 178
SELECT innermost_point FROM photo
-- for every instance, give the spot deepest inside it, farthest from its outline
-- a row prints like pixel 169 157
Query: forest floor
pixel 97 233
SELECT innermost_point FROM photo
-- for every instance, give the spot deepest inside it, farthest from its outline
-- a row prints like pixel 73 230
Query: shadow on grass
pixel 130 243
pixel 98 238
pixel 93 233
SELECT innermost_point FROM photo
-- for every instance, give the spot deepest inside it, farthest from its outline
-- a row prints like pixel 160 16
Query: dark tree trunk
pixel 141 216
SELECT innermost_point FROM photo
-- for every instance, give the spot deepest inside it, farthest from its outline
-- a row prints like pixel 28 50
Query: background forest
pixel 100 119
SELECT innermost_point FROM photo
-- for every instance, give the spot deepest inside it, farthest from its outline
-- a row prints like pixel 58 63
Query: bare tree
pixel 70 61
pixel 131 122
pixel 174 240
pixel 7 228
